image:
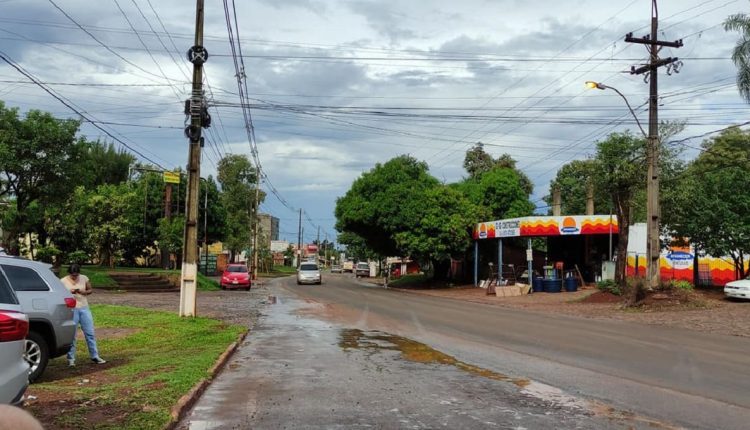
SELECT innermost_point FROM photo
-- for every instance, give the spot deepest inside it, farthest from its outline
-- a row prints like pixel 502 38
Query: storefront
pixel 581 243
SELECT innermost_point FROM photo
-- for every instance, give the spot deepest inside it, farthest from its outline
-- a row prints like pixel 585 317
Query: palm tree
pixel 741 54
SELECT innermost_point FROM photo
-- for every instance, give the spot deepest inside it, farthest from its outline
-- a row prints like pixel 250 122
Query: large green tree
pixel 38 155
pixel 375 207
pixel 477 162
pixel 573 180
pixel 712 207
pixel 239 181
pixel 500 192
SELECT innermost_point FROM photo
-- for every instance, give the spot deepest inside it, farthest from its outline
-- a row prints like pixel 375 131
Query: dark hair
pixel 74 268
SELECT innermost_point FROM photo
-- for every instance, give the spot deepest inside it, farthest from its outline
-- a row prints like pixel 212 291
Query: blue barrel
pixel 537 285
pixel 552 285
pixel 571 284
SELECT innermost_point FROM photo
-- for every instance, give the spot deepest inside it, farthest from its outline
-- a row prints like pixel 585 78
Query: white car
pixel 738 289
pixel 308 273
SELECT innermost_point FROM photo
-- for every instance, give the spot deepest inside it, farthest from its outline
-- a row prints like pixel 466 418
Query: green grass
pixel 161 357
pixel 409 281
pixel 278 272
pixel 99 276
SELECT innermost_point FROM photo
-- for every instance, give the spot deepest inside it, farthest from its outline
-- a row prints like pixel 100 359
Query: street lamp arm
pixel 600 86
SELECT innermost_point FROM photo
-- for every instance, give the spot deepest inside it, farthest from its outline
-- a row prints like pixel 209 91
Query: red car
pixel 236 276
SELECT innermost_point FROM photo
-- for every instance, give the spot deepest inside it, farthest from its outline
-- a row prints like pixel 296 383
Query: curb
pixel 188 400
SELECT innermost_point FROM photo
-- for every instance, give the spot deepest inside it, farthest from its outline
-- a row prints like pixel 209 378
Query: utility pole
pixel 255 230
pixel 317 257
pixel 205 231
pixel 199 118
pixel 299 239
pixel 653 247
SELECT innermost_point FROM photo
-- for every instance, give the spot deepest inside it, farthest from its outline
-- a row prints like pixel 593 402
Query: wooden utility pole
pixel 199 118
pixel 653 215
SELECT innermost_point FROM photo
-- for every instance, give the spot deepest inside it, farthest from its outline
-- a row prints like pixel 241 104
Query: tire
pixel 36 354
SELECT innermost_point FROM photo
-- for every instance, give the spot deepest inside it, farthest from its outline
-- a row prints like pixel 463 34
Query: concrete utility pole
pixel 653 247
pixel 299 239
pixel 199 118
pixel 255 230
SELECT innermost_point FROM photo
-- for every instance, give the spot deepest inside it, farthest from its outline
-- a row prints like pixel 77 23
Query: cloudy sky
pixel 337 86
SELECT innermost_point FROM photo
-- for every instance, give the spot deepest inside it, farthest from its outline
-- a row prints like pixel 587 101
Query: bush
pixel 609 286
pixel 681 284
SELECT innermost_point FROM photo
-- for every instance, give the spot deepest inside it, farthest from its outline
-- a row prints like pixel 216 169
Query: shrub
pixel 609 286
pixel 681 284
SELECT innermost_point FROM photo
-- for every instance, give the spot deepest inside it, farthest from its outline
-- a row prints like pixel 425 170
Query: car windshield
pixel 362 266
pixel 308 267
pixel 241 269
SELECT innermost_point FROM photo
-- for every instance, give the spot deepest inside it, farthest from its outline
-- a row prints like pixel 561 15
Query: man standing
pixel 80 287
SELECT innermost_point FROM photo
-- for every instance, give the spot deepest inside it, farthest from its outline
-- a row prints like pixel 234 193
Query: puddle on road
pixel 417 352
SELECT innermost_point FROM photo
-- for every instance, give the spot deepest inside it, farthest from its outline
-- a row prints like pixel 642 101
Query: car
pixel 739 289
pixel 336 268
pixel 49 306
pixel 236 276
pixel 14 327
pixel 362 269
pixel 308 273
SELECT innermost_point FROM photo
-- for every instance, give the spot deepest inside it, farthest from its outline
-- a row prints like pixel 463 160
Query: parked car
pixel 308 273
pixel 362 269
pixel 14 326
pixel 336 268
pixel 739 289
pixel 236 276
pixel 49 306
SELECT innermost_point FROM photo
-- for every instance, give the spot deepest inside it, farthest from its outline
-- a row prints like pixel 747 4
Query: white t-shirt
pixel 80 284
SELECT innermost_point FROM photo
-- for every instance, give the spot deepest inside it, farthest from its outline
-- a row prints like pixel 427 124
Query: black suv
pixel 49 307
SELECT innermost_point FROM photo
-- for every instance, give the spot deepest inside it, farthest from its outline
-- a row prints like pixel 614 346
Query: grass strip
pixel 153 359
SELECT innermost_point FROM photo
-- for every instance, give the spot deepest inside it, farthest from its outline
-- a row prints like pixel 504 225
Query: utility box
pixel 608 270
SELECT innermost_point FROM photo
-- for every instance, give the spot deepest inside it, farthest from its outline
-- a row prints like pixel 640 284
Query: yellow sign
pixel 171 177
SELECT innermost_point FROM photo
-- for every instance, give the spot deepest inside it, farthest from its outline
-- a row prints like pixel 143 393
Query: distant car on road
pixel 14 326
pixel 739 289
pixel 348 266
pixel 336 268
pixel 236 276
pixel 308 273
pixel 49 306
pixel 362 269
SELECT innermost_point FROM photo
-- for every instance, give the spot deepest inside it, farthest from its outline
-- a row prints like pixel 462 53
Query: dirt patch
pixel 602 297
pixel 114 333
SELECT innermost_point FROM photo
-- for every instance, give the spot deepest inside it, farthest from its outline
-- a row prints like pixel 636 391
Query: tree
pixel 375 207
pixel 573 180
pixel 108 218
pixel 741 53
pixel 477 161
pixel 500 192
pixel 216 213
pixel 619 173
pixel 239 180
pixel 442 225
pixel 712 206
pixel 171 234
pixel 101 163
pixel 37 160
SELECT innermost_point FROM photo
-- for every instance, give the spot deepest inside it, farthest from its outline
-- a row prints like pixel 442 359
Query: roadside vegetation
pixel 154 358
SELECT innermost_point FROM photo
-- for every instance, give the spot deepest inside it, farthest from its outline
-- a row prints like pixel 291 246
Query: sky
pixel 337 86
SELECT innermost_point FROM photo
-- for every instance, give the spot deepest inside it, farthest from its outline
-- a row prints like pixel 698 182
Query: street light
pixel 601 86
pixel 652 187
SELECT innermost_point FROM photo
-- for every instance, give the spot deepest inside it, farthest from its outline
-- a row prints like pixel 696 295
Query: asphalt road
pixel 304 359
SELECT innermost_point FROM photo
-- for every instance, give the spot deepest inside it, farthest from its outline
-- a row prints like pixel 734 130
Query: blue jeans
pixel 83 317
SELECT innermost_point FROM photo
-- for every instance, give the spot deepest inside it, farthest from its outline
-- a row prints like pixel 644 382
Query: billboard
pixel 532 226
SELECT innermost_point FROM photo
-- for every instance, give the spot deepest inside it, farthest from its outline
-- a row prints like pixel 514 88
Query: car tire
pixel 36 354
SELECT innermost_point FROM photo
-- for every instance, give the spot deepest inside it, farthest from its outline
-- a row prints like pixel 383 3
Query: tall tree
pixel 239 180
pixel 101 163
pixel 477 162
pixel 712 206
pixel 500 192
pixel 573 180
pixel 375 207
pixel 619 173
pixel 741 53
pixel 37 159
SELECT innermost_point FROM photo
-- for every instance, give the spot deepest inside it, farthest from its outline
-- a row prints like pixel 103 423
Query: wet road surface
pixel 349 356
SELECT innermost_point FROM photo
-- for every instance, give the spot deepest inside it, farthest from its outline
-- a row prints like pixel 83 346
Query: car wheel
pixel 36 354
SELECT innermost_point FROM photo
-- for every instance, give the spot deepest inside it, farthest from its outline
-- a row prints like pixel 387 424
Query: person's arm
pixel 88 289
